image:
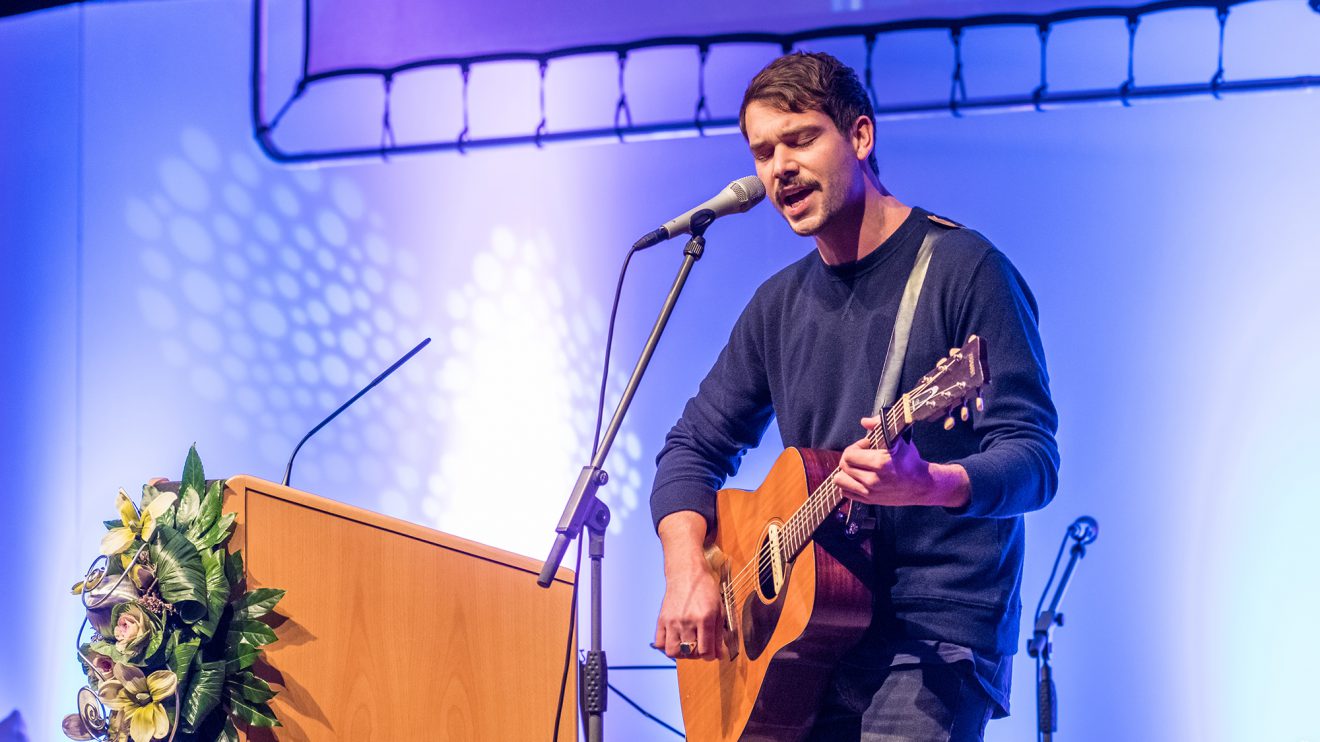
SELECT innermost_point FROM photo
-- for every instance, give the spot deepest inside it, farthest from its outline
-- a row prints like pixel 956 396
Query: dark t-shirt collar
pixel 910 229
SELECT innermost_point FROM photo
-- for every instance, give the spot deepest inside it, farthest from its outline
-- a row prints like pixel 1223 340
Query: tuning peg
pixel 953 352
pixel 962 412
pixel 948 423
pixel 980 404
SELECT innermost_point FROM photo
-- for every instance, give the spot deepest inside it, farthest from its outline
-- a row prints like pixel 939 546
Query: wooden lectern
pixel 391 631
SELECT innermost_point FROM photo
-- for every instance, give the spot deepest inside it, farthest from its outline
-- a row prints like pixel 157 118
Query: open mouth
pixel 794 195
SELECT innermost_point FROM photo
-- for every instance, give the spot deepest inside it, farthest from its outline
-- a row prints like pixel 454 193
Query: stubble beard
pixel 811 224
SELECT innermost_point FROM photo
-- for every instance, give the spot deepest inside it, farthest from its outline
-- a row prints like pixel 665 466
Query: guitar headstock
pixel 955 382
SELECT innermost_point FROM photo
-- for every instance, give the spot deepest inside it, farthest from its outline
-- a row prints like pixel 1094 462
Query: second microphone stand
pixel 585 509
pixel 1041 644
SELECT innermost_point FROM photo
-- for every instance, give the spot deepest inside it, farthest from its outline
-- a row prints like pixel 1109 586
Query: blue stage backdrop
pixel 165 284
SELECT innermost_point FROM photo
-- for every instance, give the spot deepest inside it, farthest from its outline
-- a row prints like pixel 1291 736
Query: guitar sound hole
pixel 760 615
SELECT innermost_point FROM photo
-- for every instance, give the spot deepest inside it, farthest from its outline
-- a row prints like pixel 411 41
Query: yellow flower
pixel 138 698
pixel 135 525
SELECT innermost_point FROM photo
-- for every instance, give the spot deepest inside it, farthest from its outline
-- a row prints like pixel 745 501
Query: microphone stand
pixel 585 509
pixel 1041 645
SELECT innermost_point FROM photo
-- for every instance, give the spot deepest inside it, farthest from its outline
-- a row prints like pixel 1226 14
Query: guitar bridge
pixel 730 632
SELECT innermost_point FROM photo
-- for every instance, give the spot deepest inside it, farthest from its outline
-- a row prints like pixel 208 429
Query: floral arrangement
pixel 174 634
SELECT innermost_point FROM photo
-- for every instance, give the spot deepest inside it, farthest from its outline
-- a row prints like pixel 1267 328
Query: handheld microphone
pixel 737 197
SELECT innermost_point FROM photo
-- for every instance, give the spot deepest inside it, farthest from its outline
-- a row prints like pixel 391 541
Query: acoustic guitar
pixel 793 576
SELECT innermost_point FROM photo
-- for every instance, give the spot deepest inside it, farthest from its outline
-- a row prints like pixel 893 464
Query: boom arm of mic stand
pixel 580 502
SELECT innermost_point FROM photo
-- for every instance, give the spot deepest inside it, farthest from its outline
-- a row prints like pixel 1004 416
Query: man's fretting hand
pixel 899 476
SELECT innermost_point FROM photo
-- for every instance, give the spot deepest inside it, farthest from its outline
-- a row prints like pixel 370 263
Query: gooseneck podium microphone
pixel 737 197
pixel 288 469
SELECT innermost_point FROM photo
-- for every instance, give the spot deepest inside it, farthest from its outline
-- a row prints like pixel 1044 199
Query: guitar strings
pixel 824 499
pixel 741 585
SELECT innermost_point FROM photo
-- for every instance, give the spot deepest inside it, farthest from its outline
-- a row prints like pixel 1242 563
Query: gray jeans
pixel 928 702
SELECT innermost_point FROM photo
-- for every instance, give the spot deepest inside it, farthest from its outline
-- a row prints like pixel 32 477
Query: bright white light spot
pixel 348 197
pixel 285 201
pixel 336 371
pixel 317 312
pixel 184 184
pixel 236 199
pixel 332 228
pixel 353 344
pixel 338 299
pixel 267 319
pixel 192 240
pixel 202 292
pixel 205 335
pixel 267 228
pixel 226 229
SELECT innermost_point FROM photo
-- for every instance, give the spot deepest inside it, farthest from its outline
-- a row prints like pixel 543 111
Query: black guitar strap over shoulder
pixel 860 516
pixel 887 392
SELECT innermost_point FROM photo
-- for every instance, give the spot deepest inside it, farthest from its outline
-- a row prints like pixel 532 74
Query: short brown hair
pixel 812 81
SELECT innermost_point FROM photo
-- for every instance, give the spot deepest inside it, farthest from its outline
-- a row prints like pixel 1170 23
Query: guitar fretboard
pixel 803 523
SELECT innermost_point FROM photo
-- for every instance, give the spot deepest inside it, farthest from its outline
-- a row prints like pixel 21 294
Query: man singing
pixel 808 351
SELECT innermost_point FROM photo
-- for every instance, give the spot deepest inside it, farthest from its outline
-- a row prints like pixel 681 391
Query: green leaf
pixel 203 694
pixel 255 714
pixel 234 567
pixel 157 638
pixel 193 476
pixel 190 504
pixel 241 656
pixel 219 533
pixel 179 656
pixel 112 524
pixel 210 510
pixel 250 687
pixel 251 632
pixel 229 733
pixel 217 592
pixel 257 603
pixel 180 574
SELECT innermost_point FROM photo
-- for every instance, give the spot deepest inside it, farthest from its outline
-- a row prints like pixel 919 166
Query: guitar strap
pixel 887 392
pixel 863 517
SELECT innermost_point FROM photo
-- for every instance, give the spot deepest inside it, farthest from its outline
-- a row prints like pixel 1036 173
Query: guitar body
pixel 795 589
pixel 791 623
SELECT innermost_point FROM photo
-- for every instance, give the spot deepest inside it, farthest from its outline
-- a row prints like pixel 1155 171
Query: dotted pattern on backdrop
pixel 288 282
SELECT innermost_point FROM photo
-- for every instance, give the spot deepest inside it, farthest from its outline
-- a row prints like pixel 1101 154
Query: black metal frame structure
pixel 702 123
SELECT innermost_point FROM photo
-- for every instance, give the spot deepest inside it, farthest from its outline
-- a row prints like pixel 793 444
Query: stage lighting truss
pixel 703 123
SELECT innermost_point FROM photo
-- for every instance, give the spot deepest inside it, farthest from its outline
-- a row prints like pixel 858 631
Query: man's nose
pixel 785 166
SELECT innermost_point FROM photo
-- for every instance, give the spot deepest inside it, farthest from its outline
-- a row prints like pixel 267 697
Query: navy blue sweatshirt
pixel 808 351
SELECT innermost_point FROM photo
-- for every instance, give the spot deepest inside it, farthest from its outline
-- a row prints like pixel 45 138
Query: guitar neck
pixel 802 525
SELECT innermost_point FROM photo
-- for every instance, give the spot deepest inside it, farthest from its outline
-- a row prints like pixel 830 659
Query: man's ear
pixel 863 137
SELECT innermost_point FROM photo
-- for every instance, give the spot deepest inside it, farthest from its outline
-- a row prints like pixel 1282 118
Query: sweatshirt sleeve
pixel 1016 469
pixel 728 415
